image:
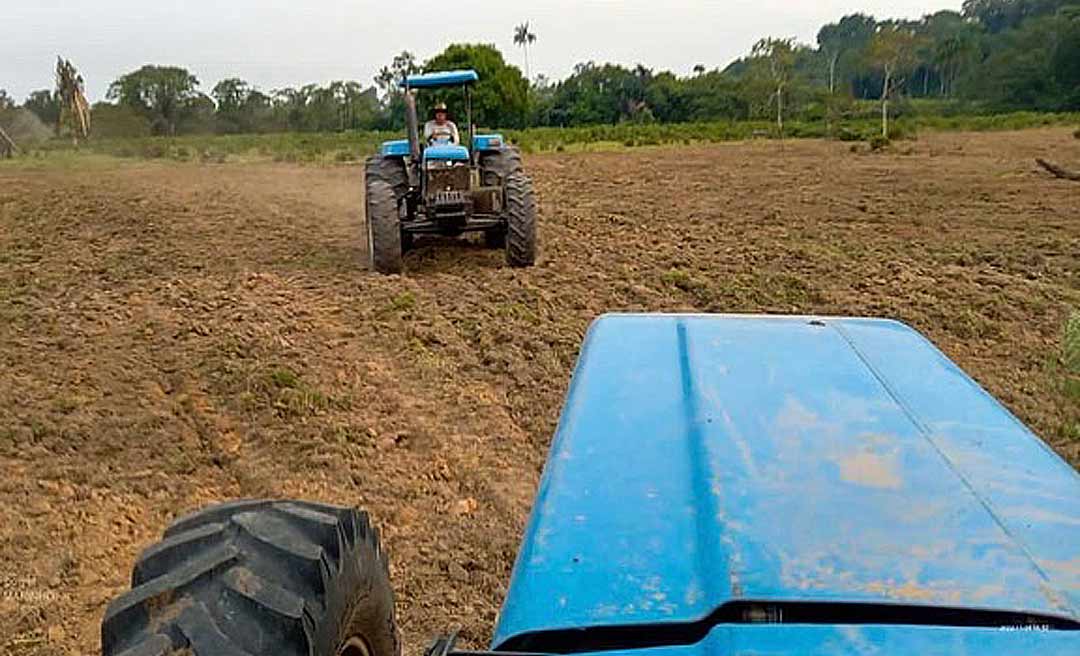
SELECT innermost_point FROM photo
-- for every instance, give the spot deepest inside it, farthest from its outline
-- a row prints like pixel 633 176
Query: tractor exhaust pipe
pixel 412 126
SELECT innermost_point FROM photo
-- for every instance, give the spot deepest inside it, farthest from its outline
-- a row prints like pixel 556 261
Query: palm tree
pixel 524 38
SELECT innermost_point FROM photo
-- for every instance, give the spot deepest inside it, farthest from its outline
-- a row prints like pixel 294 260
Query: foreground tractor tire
pixel 383 226
pixel 520 215
pixel 288 578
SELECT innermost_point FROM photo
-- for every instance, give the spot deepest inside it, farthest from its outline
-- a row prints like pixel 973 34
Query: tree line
pixel 993 55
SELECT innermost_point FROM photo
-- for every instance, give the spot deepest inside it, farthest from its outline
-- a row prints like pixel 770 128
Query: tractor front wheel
pixel 289 578
pixel 520 213
pixel 384 227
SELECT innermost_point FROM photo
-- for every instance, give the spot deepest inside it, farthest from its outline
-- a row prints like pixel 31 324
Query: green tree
pixel 994 15
pixel 500 98
pixel 388 83
pixel 775 61
pixel 1065 60
pixel 118 121
pixel 601 94
pixel 44 104
pixel 162 94
pixel 197 115
pixel 231 96
pixel 714 95
pixel 358 107
pixel 892 51
pixel 1000 15
pixel 844 46
pixel 667 98
pixel 290 107
pixel 390 77
pixel 1035 65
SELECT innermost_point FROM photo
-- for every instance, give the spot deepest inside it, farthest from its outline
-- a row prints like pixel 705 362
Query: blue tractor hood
pixel 447 152
pixel 704 462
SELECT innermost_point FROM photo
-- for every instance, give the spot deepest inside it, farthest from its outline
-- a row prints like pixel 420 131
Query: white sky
pixel 275 43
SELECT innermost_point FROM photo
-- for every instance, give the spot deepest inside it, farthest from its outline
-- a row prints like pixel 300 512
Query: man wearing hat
pixel 441 130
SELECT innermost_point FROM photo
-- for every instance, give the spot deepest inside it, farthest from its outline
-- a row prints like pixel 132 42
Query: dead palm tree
pixel 524 38
pixel 73 104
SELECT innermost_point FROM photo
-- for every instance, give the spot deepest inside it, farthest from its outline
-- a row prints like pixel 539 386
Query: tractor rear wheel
pixel 520 213
pixel 245 578
pixel 384 227
pixel 496 166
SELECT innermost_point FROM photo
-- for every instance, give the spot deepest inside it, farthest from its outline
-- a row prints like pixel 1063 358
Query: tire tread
pixel 253 577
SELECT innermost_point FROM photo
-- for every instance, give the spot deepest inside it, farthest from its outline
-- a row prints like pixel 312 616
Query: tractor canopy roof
pixel 842 470
pixel 440 79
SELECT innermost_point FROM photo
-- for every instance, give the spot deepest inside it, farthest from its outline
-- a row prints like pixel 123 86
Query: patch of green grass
pixel 681 279
pixel 284 378
pixel 518 311
pixel 1070 343
pixel 339 147
pixel 403 302
pixel 971 324
pixel 287 394
pixel 787 289
pixel 1070 358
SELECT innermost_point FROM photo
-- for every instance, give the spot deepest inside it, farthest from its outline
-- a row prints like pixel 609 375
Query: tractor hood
pixel 869 640
pixel 706 464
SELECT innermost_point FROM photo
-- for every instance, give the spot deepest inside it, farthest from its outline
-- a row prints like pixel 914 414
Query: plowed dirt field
pixel 176 334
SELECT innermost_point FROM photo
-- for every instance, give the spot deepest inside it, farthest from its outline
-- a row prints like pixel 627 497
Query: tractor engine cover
pixel 791 485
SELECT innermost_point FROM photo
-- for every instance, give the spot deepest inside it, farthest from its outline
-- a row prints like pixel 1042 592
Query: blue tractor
pixel 718 486
pixel 415 188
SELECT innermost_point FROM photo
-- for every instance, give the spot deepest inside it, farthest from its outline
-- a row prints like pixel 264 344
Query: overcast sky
pixel 276 43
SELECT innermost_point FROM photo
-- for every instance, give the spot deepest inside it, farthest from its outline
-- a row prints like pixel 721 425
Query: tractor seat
pixel 444 152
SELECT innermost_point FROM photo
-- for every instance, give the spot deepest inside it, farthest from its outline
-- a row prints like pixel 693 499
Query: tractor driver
pixel 441 130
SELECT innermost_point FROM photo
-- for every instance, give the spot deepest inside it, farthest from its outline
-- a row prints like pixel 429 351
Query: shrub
pixel 847 134
pixel 154 151
pixel 878 141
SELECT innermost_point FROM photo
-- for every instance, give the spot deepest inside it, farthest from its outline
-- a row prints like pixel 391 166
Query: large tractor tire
pixel 495 168
pixel 497 165
pixel 383 226
pixel 520 213
pixel 250 578
pixel 390 170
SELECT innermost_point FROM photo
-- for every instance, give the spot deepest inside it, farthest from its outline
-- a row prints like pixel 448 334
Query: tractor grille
pixel 455 178
pixel 452 208
pixel 449 200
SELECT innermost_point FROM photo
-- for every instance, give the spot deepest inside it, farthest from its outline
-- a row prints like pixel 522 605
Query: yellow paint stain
pixel 871 470
pixel 909 591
